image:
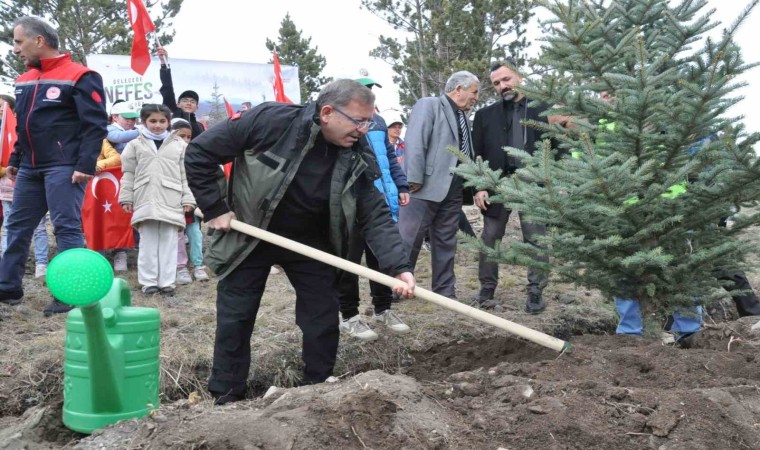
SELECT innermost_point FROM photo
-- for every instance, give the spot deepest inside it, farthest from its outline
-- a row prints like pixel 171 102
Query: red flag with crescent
pixel 105 223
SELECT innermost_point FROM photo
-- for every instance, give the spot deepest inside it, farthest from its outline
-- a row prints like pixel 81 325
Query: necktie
pixel 465 147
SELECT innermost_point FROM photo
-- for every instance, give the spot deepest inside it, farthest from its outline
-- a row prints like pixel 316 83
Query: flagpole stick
pixel 534 336
pixel 158 45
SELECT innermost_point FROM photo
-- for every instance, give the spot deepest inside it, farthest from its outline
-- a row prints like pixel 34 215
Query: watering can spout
pixel 106 390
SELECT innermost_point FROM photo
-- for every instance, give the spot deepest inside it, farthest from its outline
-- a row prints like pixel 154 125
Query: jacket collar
pixel 52 63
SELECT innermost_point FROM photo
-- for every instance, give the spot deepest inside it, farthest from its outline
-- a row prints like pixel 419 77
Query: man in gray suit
pixel 435 124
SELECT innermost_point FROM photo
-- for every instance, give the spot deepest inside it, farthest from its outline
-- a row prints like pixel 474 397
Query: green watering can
pixel 111 368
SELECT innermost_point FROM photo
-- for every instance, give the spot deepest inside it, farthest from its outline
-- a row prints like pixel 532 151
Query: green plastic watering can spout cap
pixel 79 277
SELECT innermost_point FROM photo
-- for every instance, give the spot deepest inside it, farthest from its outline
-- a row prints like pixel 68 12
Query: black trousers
pixel 348 286
pixel 237 302
pixel 493 230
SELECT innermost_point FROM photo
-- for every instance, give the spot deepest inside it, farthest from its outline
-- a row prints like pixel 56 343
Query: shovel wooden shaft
pixel 357 269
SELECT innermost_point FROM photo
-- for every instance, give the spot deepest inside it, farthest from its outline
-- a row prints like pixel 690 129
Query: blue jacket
pixel 392 180
pixel 61 115
pixel 120 138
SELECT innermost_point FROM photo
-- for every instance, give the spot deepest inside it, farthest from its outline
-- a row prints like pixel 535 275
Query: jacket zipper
pixel 28 116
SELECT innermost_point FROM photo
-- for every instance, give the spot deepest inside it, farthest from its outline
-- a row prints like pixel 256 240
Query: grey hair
pixel 34 26
pixel 462 78
pixel 341 92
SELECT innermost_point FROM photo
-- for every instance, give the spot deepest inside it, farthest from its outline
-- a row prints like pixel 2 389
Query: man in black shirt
pixel 306 173
pixel 497 126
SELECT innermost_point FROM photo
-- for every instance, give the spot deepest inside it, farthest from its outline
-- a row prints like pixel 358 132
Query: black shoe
pixel 11 298
pixel 56 307
pixel 220 400
pixel 687 340
pixel 747 305
pixel 483 296
pixel 151 290
pixel 167 291
pixel 491 305
pixel 535 303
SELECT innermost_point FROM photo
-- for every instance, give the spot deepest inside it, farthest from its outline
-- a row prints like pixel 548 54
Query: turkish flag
pixel 279 89
pixel 104 222
pixel 230 111
pixel 7 134
pixel 141 25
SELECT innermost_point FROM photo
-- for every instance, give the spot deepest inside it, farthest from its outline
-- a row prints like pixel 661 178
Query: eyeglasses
pixel 359 124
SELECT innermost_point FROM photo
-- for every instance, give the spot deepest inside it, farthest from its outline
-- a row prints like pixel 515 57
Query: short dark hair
pixel 150 108
pixel 34 26
pixel 509 63
pixel 342 91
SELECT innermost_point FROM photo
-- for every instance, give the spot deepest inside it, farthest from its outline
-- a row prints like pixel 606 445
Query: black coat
pixel 490 136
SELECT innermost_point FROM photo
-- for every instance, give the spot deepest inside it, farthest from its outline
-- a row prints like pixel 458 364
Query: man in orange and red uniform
pixel 62 122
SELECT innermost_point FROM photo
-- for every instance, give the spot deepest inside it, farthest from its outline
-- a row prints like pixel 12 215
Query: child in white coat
pixel 154 188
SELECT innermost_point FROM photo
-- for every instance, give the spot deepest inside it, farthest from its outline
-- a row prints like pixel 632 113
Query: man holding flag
pixel 62 122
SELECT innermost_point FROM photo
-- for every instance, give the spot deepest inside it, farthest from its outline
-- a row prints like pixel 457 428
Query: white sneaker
pixel 392 321
pixel 183 276
pixel 200 273
pixel 358 328
pixel 120 262
pixel 40 270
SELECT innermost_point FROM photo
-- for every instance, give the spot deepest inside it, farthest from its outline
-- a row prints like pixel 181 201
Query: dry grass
pixel 31 346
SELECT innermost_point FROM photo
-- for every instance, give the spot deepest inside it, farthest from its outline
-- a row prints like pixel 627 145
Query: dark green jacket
pixel 267 145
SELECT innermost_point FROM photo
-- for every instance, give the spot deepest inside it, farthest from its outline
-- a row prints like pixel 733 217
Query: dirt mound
pixel 373 409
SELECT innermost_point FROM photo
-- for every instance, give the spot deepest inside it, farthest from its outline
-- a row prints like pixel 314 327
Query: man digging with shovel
pixel 305 173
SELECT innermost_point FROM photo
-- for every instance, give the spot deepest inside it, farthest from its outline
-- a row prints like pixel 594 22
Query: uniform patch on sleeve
pixel 97 97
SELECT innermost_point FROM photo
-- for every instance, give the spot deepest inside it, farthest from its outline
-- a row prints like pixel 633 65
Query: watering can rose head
pixel 79 277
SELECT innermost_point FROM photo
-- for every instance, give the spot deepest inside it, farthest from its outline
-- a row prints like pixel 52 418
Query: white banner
pixel 236 82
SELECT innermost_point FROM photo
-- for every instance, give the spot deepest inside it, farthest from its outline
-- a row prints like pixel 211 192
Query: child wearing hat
pixel 122 129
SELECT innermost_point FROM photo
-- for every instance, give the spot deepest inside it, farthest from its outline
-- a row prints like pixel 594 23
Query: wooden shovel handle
pixel 357 269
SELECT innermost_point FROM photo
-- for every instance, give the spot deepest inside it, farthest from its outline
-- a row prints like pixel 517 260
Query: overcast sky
pixel 344 33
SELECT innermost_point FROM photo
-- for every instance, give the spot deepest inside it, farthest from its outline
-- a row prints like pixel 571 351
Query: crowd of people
pixel 332 174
